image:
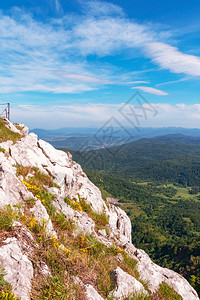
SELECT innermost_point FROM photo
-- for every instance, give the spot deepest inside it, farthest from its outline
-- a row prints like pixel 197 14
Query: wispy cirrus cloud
pixel 54 56
pixel 150 90
pixel 100 8
pixel 168 57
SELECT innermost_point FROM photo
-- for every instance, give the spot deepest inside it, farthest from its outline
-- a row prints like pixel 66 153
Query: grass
pixel 81 256
pixel 5 288
pixel 168 293
pixel 60 221
pixel 100 219
pixel 6 217
pixel 46 199
pixel 6 134
pixel 7 296
pixel 101 260
pixel 87 258
pixel 181 192
pixel 18 126
pixel 38 178
pixel 132 209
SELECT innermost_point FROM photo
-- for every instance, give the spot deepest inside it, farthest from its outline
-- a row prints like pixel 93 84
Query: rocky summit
pixel 59 239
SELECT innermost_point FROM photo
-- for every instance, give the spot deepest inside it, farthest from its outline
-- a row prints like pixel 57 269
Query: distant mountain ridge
pixel 76 138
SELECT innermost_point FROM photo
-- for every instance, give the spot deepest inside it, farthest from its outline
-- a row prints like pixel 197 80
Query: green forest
pixel 169 159
pixel 157 182
pixel 165 225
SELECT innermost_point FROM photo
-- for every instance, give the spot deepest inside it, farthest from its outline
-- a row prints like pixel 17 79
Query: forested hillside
pixel 157 182
pixel 165 222
pixel 169 159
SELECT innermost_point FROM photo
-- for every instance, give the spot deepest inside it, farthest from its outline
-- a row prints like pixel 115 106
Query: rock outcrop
pixel 126 285
pixel 70 184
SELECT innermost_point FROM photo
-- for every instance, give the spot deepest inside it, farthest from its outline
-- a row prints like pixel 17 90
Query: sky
pixel 79 63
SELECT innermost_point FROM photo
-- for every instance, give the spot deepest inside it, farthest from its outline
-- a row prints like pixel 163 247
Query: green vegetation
pixel 18 126
pixel 5 288
pixel 36 177
pixel 60 221
pixel 164 224
pixel 6 218
pixel 7 296
pixel 100 219
pixel 160 160
pixel 83 256
pixel 158 184
pixel 6 134
pixel 168 293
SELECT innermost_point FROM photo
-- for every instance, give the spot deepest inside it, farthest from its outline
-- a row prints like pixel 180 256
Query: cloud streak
pixel 150 90
pixel 54 57
pixel 168 57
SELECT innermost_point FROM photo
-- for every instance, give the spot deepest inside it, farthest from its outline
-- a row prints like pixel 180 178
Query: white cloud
pixel 168 57
pixel 54 56
pixel 58 6
pixel 109 35
pixel 96 115
pixel 150 90
pixel 174 81
pixel 99 8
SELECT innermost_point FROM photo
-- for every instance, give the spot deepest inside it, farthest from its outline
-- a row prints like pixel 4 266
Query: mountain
pixel 77 138
pixel 60 239
pixel 165 159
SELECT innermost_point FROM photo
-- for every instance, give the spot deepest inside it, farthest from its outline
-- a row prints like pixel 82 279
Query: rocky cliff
pixel 60 240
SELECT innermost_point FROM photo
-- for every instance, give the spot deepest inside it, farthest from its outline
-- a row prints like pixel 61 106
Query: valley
pixel 157 183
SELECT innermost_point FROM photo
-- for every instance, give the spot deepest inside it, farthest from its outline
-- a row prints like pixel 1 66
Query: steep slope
pixel 60 240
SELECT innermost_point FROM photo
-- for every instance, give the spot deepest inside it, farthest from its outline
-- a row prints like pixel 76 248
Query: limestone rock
pixel 126 285
pixel 85 223
pixel 11 126
pixel 41 215
pixel 24 129
pixel 91 293
pixel 120 223
pixel 18 268
pixel 12 191
pixel 55 156
pixel 155 275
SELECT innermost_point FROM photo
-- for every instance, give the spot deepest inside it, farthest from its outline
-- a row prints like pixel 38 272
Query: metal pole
pixel 9 111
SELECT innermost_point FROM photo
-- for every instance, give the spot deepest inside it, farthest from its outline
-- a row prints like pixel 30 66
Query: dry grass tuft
pixel 6 134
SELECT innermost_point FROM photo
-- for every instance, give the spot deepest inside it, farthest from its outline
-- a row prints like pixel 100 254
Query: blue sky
pixel 74 63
